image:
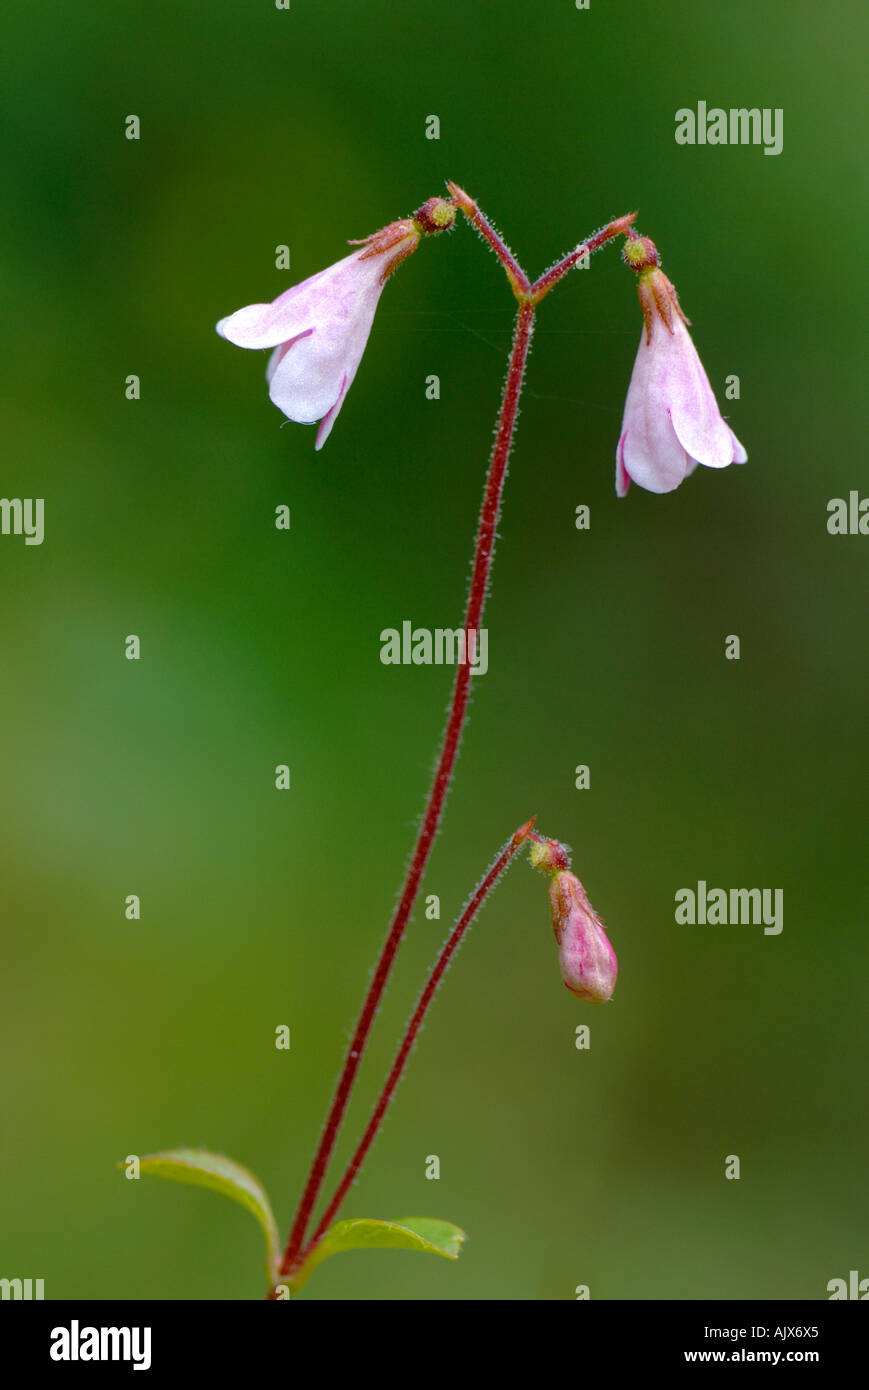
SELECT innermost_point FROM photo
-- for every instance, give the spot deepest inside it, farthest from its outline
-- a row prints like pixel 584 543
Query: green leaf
pixel 221 1174
pixel 410 1233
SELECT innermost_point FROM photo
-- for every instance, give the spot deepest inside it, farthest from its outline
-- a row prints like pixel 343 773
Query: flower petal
pixel 739 454
pixel 660 468
pixel 281 351
pixel 302 386
pixel 301 307
pixel 693 407
pixel 308 381
pixel 331 416
pixel 649 451
pixel 267 325
pixel 623 480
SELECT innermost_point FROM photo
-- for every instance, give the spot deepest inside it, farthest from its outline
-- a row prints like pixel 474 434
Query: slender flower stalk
pixel 450 947
pixel 519 282
pixel 556 272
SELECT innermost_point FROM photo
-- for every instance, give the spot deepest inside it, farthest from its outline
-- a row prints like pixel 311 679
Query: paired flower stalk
pixel 317 332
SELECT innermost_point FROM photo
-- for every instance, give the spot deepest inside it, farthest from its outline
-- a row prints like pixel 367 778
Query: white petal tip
pixel 331 415
pixel 739 454
pixel 623 480
pixel 325 428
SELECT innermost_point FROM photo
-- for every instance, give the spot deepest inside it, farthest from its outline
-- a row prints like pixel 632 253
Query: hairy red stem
pixel 620 227
pixel 434 808
pixel 519 281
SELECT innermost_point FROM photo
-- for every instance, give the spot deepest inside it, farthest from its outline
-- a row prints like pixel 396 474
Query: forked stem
pixel 450 947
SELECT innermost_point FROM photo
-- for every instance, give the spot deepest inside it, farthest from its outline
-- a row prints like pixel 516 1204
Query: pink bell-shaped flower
pixel 318 329
pixel 671 421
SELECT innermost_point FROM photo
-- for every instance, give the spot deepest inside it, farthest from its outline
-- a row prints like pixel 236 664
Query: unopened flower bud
pixel 588 962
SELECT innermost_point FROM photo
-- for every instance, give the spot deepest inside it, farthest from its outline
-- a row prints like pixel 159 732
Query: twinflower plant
pixel 317 332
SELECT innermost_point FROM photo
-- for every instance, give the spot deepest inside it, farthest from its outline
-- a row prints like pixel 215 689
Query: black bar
pixel 264 1338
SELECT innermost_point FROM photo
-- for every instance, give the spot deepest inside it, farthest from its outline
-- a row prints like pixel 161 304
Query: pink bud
pixel 588 962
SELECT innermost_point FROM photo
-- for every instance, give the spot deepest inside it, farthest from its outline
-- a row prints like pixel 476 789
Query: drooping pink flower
pixel 671 421
pixel 318 329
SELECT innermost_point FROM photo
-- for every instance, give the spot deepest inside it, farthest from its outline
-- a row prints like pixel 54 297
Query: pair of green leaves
pixel 204 1169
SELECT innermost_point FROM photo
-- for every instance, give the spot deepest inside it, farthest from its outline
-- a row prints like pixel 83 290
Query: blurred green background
pixel 307 127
